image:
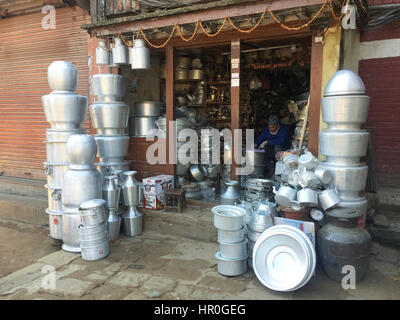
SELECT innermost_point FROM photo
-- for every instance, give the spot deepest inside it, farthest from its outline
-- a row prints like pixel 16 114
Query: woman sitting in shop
pixel 274 138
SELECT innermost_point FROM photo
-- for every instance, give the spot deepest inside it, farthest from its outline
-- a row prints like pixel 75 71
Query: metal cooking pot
pixel 65 111
pixel 323 175
pixel 328 199
pixel 231 267
pixel 55 173
pixel 344 82
pixel 232 191
pixel 55 224
pixel 108 87
pixel 197 172
pixel 196 74
pixel 112 148
pixel 229 236
pixel 144 126
pixel 181 74
pixel 54 198
pixel 70 230
pixel 183 62
pixel 307 197
pixel 147 109
pixel 81 149
pixel 343 147
pixel 109 118
pixel 62 76
pixel 93 212
pixel 345 112
pixel 228 217
pixel 233 250
pixel 285 196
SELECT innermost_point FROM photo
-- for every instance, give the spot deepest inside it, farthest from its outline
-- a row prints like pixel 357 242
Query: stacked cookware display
pixel 93 234
pixel 232 255
pixel 82 182
pixel 109 116
pixel 65 111
pixel 345 108
pixel 143 121
pixel 132 219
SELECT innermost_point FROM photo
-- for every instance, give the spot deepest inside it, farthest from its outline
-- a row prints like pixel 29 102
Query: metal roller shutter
pixel 26 52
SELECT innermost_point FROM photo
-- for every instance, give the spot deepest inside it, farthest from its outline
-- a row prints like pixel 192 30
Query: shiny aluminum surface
pixel 229 236
pixel 344 82
pixel 120 53
pixel 139 56
pixel 232 191
pixel 70 230
pixel 196 74
pixel 54 199
pixel 92 212
pixel 132 222
pixel 228 217
pixel 55 224
pixel 328 198
pixel 233 250
pixel 62 76
pixel 102 54
pixel 81 149
pixel 147 109
pixel 109 118
pixel 285 196
pixel 55 173
pixel 112 148
pixel 307 197
pixel 144 126
pixel 111 192
pixel 108 87
pixel 130 188
pixel 197 171
pixel 229 267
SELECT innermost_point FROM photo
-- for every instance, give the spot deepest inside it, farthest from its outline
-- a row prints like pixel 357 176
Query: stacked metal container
pixel 65 111
pixel 109 116
pixel 345 108
pixel 82 182
pixel 143 121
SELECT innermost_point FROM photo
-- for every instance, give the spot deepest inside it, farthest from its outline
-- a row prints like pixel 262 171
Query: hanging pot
pixel 120 53
pixel 102 53
pixel 140 56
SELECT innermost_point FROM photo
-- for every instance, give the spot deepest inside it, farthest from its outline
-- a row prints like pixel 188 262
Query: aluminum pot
pixel 65 111
pixel 328 199
pixel 81 149
pixel 54 198
pixel 147 109
pixel 345 112
pixel 285 196
pixel 181 74
pixel 94 232
pixel 253 235
pixel 140 55
pixel 260 221
pixel 183 62
pixel 130 188
pixel 233 250
pixel 144 126
pixel 62 76
pixel 56 144
pixel 71 220
pixel 344 82
pixel 55 224
pixel 112 148
pixel 108 87
pixel 55 173
pixel 106 168
pixel 132 222
pixel 307 197
pixel 102 53
pixel 93 212
pixel 95 252
pixel 361 208
pixel 114 224
pixel 229 236
pixel 343 147
pixel 109 118
pixel 196 74
pixel 230 267
pixel 120 53
pixel 349 181
pixel 232 191
pixel 323 175
pixel 197 172
pixel 111 192
pixel 228 217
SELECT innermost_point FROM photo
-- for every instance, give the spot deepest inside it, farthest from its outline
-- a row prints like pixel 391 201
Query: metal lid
pixel 344 82
pixel 91 204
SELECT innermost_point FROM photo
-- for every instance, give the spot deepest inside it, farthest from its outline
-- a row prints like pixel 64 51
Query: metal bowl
pixel 230 267
pixel 228 217
pixel 344 82
pixel 62 76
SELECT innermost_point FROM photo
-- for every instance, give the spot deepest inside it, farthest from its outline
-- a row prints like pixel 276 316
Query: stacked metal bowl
pixel 65 111
pixel 93 234
pixel 143 121
pixel 345 108
pixel 109 116
pixel 232 255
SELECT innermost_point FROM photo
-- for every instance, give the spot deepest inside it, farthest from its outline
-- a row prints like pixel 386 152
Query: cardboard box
pixel 153 186
pixel 154 202
pixel 168 182
pixel 306 226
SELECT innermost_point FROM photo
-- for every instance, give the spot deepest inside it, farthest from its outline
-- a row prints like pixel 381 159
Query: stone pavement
pixel 155 266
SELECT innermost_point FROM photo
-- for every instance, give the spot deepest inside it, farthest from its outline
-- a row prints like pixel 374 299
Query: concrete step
pixel 23 187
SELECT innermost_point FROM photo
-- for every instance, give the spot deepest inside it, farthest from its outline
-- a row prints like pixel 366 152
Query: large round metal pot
pixel 54 198
pixel 232 191
pixel 102 53
pixel 342 243
pixel 233 250
pixel 94 232
pixel 56 144
pixel 93 212
pixel 361 208
pixel 344 82
pixel 196 74
pixel 62 76
pixel 181 74
pixel 285 196
pixel 229 236
pixel 253 235
pixel 112 148
pixel 147 109
pixel 197 172
pixel 231 267
pixel 144 126
pixel 81 185
pixel 183 62
pixel 96 252
pixel 81 149
pixel 55 173
pixel 139 56
pixel 55 224
pixel 343 147
pixel 328 198
pixel 260 221
pixel 109 118
pixel 345 112
pixel 349 181
pixel 108 87
pixel 71 220
pixel 307 197
pixel 228 217
pixel 65 111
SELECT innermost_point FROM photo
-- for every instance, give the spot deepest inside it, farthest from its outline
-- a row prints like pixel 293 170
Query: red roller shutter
pixel 26 51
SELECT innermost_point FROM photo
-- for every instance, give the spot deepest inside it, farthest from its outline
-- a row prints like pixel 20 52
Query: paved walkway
pixel 154 266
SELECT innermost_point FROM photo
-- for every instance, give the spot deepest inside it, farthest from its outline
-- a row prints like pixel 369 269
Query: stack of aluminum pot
pixel 65 111
pixel 109 116
pixel 82 182
pixel 345 108
pixel 143 122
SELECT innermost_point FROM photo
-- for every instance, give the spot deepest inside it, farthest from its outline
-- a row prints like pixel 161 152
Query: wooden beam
pixel 235 100
pixel 211 11
pixel 170 106
pixel 315 93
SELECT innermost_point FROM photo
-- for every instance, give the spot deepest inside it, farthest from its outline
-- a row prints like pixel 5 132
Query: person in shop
pixel 273 138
